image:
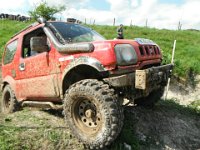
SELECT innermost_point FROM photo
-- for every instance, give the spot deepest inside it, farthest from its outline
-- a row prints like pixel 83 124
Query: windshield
pixel 74 33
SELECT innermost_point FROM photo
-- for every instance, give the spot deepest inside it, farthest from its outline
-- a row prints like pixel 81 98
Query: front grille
pixel 149 50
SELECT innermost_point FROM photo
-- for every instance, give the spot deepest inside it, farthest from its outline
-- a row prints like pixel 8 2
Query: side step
pixel 41 105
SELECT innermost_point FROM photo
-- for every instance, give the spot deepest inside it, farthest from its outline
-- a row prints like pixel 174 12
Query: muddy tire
pixel 151 99
pixel 93 113
pixel 9 102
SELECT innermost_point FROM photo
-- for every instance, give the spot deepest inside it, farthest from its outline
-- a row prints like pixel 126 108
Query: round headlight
pixel 125 54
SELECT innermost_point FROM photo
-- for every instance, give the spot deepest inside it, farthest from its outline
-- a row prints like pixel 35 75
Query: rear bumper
pixel 143 79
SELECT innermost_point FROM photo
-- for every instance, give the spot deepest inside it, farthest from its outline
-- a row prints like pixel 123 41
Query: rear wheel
pixel 9 102
pixel 93 113
pixel 151 99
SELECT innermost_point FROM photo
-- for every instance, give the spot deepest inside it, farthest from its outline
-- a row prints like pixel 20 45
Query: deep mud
pixel 167 126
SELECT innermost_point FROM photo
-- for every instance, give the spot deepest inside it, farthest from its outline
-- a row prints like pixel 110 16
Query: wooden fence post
pixel 172 62
pixel 131 23
pixel 90 21
pixel 179 25
pixel 146 23
pixel 114 22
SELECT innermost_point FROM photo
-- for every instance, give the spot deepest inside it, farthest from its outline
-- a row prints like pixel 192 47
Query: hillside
pixel 8 29
pixel 187 56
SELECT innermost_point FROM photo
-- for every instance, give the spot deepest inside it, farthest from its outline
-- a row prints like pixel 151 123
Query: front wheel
pixel 9 102
pixel 93 113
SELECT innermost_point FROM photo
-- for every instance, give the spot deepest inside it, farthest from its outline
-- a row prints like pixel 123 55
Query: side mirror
pixel 41 20
pixel 39 44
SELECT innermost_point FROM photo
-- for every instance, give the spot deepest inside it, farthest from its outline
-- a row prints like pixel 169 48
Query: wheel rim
pixel 86 116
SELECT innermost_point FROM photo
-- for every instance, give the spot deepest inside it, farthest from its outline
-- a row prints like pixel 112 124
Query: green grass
pixel 8 29
pixel 24 130
pixel 195 106
pixel 13 137
pixel 187 56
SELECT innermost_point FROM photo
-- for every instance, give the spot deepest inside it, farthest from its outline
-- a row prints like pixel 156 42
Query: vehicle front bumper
pixel 143 79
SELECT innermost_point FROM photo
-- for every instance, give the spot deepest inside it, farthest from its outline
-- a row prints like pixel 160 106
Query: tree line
pixel 14 17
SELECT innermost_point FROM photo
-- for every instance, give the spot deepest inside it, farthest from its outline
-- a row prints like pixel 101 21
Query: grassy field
pixel 187 56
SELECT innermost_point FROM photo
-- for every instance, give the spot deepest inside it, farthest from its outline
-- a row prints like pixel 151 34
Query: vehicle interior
pixel 34 43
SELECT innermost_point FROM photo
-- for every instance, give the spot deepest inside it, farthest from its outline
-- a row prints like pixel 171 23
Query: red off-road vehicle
pixel 69 66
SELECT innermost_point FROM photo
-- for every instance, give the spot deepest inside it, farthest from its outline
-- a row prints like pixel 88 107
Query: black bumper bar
pixel 151 77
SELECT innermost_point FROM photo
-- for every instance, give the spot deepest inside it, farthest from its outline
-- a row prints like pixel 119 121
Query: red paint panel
pixel 41 78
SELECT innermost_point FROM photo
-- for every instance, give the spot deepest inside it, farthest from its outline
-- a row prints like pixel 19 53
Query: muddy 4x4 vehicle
pixel 69 66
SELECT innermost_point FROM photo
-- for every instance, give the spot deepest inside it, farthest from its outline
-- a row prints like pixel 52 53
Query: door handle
pixel 22 66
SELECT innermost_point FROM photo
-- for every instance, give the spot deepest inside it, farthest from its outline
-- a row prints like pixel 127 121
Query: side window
pixel 34 43
pixel 10 52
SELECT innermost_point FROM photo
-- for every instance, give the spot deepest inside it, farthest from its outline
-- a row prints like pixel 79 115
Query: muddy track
pixel 166 126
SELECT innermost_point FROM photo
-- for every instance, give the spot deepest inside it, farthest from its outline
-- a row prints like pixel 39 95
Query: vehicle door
pixel 37 74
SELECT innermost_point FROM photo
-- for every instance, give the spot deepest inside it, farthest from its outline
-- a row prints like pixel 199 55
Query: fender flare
pixel 9 80
pixel 83 60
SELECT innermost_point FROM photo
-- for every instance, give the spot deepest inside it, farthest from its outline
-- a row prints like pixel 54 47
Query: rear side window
pixel 10 52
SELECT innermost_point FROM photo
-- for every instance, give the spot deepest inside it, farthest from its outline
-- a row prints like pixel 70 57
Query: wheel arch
pixel 9 103
pixel 3 84
pixel 8 81
pixel 82 68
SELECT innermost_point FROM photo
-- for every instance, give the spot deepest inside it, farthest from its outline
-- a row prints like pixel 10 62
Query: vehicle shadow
pixel 57 113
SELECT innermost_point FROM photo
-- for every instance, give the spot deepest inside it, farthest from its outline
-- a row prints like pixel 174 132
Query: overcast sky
pixel 160 13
